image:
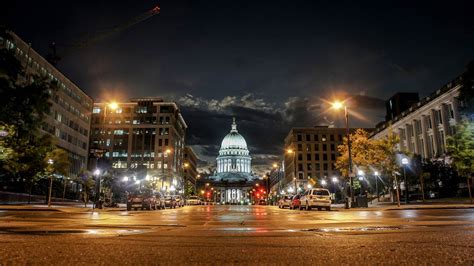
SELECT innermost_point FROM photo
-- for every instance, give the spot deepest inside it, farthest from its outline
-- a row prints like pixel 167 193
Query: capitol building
pixel 233 178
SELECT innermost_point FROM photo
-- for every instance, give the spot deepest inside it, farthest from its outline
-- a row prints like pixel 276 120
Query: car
pixel 159 201
pixel 193 200
pixel 285 201
pixel 262 202
pixel 317 198
pixel 170 202
pixel 144 201
pixel 295 202
pixel 179 200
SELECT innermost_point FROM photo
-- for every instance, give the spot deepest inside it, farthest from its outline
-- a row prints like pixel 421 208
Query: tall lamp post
pixel 97 194
pixel 376 174
pixel 50 162
pixel 360 173
pixel 334 182
pixel 405 163
pixel 167 152
pixel 339 105
pixel 290 151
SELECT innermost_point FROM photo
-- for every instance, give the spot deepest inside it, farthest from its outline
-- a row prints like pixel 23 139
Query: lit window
pixel 96 110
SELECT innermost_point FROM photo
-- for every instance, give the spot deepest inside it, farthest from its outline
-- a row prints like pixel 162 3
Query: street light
pixel 291 151
pixel 97 196
pixel 323 182
pixel 405 162
pixel 337 105
pixel 376 174
pixel 360 174
pixel 334 181
pixel 50 162
pixel 125 179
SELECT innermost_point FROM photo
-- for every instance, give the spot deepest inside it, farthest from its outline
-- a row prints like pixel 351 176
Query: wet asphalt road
pixel 238 234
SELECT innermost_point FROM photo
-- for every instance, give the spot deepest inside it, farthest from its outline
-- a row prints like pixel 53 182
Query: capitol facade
pixel 233 178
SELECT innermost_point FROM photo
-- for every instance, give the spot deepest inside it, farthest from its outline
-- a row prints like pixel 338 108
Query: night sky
pixel 269 63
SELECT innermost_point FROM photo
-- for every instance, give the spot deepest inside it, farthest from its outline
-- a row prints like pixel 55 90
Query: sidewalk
pixel 415 205
pixel 70 208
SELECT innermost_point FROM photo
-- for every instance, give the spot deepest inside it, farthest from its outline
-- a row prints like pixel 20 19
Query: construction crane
pixel 54 58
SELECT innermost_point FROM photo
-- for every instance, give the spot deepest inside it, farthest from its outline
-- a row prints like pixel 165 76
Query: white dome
pixel 233 140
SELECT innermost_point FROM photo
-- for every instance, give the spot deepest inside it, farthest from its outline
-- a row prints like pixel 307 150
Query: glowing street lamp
pixel 338 105
pixel 405 163
pixel 125 179
pixel 323 182
pixel 376 174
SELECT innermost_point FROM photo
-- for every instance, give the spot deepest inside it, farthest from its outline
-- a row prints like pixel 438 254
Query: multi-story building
pixel 143 137
pixel 70 117
pixel 310 155
pixel 190 166
pixel 424 127
pixel 400 102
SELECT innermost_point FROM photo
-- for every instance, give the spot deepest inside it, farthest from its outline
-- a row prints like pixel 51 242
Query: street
pixel 238 234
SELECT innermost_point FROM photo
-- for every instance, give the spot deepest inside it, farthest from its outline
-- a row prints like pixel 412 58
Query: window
pixel 316 137
pixel 300 156
pixel 316 147
pixel 323 138
pixel 333 157
pixel 141 110
pixel 331 137
pixel 339 137
pixel 316 156
pixel 318 167
pixel 96 110
pixel 309 167
pixel 308 157
pixel 451 110
pixel 300 167
pixel 325 166
pixel 325 157
pixel 308 137
pixel 300 147
pixel 308 147
pixel 118 132
pixel 298 137
pixel 333 147
pixel 325 147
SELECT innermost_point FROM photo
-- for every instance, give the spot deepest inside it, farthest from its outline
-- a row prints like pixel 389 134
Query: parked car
pixel 170 202
pixel 159 201
pixel 317 198
pixel 194 200
pixel 295 202
pixel 179 200
pixel 144 201
pixel 285 201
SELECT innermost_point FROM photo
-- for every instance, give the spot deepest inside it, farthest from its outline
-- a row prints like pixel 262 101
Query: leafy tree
pixel 363 152
pixel 24 102
pixel 461 151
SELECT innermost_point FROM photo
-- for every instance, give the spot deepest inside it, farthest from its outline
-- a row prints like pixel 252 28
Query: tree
pixel 461 151
pixel 363 152
pixel 24 102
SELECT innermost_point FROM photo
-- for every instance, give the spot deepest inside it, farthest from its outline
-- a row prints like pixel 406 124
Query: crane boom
pixel 53 58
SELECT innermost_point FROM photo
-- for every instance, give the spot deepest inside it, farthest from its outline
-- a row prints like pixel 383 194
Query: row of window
pixel 64 136
pixel 324 147
pixel 40 69
pixel 317 166
pixel 70 123
pixel 315 137
pixel 317 157
pixel 133 165
pixel 69 107
pixel 136 109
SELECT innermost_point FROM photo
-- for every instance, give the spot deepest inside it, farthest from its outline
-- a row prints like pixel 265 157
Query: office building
pixel 70 114
pixel 143 138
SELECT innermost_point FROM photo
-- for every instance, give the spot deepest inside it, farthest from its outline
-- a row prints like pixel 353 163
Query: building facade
pixel 310 156
pixel 190 166
pixel 143 138
pixel 424 127
pixel 68 122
